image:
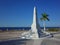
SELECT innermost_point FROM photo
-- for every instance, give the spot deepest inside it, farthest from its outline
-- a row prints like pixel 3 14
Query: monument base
pixel 32 35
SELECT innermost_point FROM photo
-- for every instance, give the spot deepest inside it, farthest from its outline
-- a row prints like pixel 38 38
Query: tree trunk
pixel 44 25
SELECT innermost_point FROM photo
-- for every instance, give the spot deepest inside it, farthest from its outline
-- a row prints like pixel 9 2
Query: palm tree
pixel 44 18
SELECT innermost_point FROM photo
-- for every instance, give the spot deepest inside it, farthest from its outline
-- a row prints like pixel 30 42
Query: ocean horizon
pixel 21 28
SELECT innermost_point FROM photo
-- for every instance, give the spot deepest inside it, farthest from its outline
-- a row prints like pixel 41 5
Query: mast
pixel 34 25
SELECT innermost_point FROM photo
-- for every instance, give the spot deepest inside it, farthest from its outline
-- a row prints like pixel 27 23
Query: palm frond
pixel 48 19
pixel 44 16
pixel 41 19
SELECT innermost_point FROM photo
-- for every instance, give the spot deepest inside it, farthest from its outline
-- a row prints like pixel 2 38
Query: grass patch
pixel 53 30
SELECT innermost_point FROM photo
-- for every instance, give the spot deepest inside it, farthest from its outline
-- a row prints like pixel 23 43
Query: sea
pixel 21 28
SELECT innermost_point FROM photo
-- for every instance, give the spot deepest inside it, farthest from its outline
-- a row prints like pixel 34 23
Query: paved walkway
pixel 41 41
pixel 52 41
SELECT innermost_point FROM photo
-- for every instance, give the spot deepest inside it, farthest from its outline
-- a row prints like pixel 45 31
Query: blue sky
pixel 19 13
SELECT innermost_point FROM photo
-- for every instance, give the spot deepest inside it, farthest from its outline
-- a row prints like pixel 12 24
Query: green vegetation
pixel 44 18
pixel 53 30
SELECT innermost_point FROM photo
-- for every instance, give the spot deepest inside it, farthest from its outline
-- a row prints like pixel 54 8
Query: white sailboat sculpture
pixel 35 31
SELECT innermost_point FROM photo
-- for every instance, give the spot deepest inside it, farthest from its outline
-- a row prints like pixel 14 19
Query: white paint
pixel 34 26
